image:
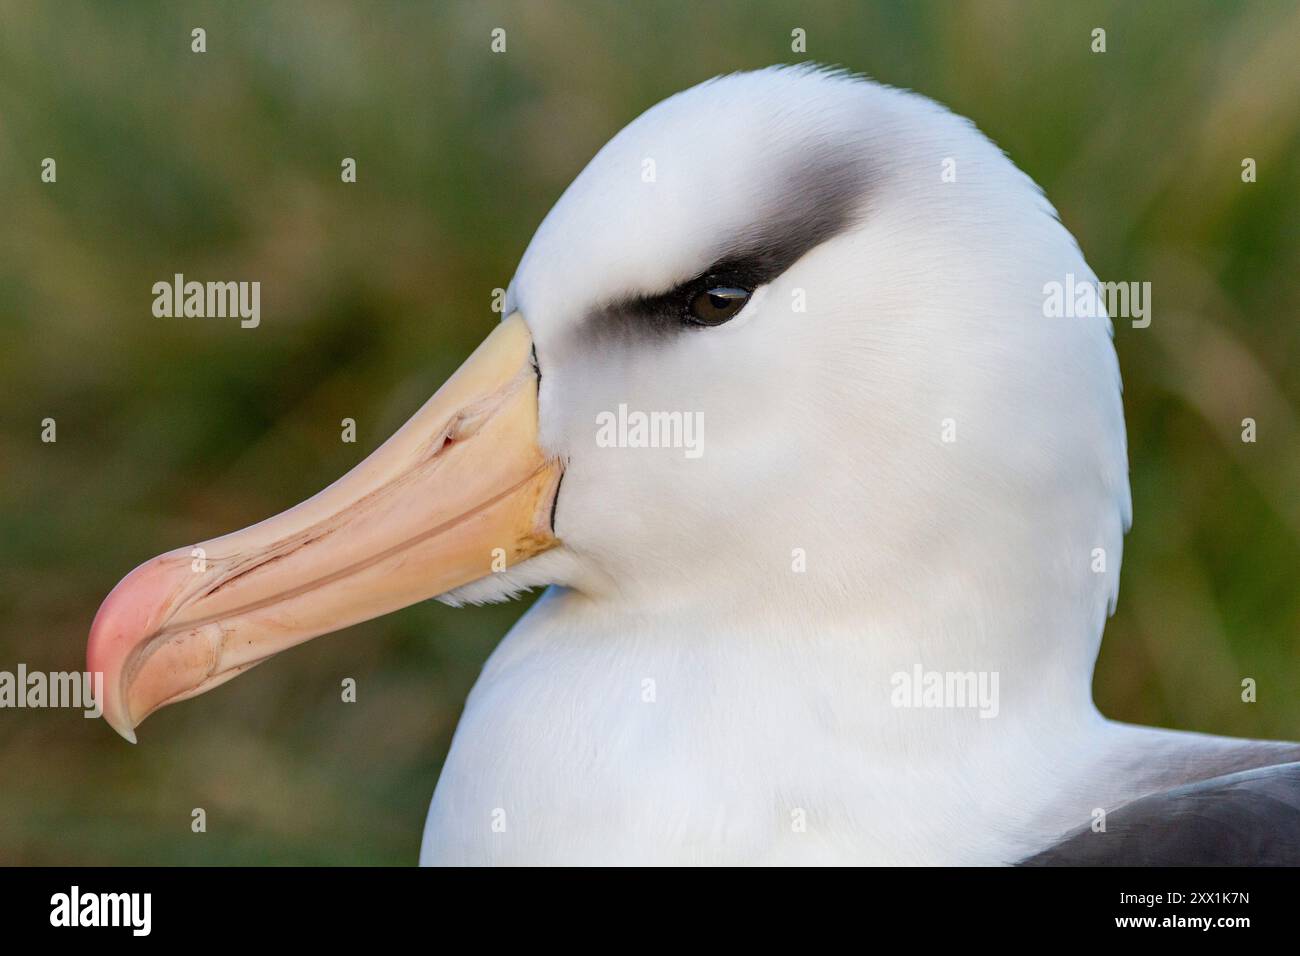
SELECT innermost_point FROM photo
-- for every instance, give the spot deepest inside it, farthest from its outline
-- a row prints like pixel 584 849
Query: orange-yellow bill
pixel 459 488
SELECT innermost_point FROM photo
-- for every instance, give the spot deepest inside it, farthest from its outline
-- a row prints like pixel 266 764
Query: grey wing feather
pixel 1249 818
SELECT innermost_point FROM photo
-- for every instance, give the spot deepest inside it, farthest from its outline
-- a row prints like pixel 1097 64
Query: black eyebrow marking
pixel 823 193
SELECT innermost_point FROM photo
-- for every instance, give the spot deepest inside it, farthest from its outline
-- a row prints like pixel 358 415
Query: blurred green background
pixel 226 165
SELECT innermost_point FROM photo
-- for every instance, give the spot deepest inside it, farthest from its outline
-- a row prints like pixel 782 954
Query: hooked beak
pixel 460 488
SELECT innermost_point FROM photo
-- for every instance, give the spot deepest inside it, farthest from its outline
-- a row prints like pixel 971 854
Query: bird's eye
pixel 716 305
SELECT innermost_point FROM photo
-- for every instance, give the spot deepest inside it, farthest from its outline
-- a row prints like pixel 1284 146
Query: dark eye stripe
pixel 825 193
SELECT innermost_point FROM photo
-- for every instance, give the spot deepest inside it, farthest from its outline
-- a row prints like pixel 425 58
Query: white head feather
pixel 823 431
pixel 824 428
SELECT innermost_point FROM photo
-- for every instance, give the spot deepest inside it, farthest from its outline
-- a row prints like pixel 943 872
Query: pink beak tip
pixel 130 610
pixel 127 733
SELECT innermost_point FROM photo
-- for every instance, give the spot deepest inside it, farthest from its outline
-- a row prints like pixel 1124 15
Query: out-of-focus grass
pixel 226 165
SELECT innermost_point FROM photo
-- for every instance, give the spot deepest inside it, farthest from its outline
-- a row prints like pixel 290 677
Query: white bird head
pixel 890 400
pixel 828 296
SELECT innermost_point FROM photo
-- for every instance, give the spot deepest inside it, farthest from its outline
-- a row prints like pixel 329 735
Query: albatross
pixel 905 469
